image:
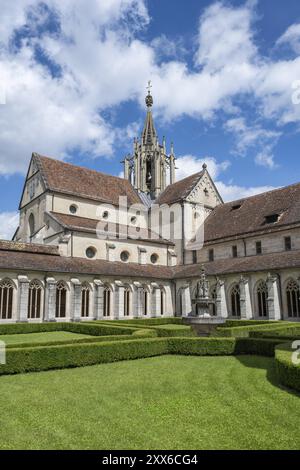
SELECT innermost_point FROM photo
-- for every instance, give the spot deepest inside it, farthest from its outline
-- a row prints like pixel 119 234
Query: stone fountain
pixel 202 317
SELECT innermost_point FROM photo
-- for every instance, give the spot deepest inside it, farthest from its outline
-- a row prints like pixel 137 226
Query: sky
pixel 225 83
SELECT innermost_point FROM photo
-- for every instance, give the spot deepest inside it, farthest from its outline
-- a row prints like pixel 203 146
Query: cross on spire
pixel 149 87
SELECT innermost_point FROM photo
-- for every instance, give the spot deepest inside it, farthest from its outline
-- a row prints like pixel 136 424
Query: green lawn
pixel 44 337
pixel 168 402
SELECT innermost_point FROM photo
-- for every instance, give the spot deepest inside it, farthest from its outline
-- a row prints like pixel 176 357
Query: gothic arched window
pixel 34 299
pixel 6 299
pixel 293 299
pixel 31 223
pixel 61 300
pixel 85 300
pixel 127 301
pixel 162 301
pixel 106 301
pixel 145 302
pixel 262 298
pixel 235 301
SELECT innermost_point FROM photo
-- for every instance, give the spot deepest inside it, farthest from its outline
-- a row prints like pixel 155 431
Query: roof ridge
pixel 280 188
pixel 39 156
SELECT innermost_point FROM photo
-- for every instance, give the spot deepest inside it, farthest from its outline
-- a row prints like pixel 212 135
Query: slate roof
pixel 267 262
pixel 178 191
pixel 15 257
pixel 70 179
pixel 33 248
pixel 83 224
pixel 250 217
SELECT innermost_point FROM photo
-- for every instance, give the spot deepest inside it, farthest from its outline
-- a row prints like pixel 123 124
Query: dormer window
pixel 272 218
pixel 236 207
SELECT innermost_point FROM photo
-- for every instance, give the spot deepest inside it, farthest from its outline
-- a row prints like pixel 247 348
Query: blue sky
pixel 74 80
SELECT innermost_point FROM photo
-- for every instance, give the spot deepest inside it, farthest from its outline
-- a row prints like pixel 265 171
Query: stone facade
pixel 59 268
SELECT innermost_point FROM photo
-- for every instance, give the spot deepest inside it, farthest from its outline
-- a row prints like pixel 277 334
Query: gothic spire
pixel 149 136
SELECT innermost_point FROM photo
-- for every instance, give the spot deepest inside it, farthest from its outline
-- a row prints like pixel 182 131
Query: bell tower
pixel 149 168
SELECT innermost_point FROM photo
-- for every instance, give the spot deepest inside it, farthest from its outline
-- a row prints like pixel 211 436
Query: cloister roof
pixel 253 214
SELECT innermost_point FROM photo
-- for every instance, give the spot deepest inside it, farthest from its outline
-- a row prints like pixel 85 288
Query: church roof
pixel 180 190
pixel 83 224
pixel 39 258
pixel 33 248
pixel 268 263
pixel 264 212
pixel 26 261
pixel 66 178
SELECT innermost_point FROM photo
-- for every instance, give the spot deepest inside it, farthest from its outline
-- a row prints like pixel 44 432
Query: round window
pixel 105 215
pixel 124 256
pixel 90 252
pixel 73 209
pixel 154 258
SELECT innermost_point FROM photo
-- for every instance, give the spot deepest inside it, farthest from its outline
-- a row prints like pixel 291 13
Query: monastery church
pixel 65 263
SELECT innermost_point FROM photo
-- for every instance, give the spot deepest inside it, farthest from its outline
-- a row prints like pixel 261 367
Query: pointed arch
pixel 85 299
pixel 6 299
pixel 107 300
pixel 261 294
pixel 35 299
pixel 61 299
pixel 31 225
pixel 235 300
pixel 292 292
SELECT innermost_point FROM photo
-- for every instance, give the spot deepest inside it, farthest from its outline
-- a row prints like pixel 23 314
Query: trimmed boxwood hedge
pixel 30 358
pixel 76 355
pixel 287 372
pixel 244 331
pixel 284 332
pixel 182 330
pixel 93 329
pixel 237 323
pixel 137 334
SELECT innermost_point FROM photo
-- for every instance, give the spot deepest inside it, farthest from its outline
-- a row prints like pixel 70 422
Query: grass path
pixel 169 402
pixel 44 337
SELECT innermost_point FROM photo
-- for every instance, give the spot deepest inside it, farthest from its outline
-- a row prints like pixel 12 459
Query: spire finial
pixel 149 99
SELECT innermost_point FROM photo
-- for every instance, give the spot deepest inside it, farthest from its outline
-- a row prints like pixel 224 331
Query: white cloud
pixel 231 192
pixel 266 158
pixel 189 164
pixel 103 64
pixel 8 224
pixel 291 37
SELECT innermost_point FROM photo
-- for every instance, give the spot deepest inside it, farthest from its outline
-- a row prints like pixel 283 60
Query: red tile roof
pixel 178 191
pixel 79 181
pixel 227 220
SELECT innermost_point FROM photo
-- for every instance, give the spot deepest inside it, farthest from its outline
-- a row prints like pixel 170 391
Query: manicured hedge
pixel 237 323
pixel 202 346
pixel 287 372
pixel 182 330
pixel 137 334
pixel 93 329
pixel 257 346
pixel 244 331
pixel 76 355
pixel 149 321
pixel 284 332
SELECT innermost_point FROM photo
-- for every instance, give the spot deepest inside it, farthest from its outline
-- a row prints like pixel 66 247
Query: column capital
pixel 75 282
pixel 99 283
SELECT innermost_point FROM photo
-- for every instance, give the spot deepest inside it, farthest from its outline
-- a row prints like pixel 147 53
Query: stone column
pixel 221 304
pixel 50 299
pixel 273 297
pixel 186 302
pixel 119 299
pixel 23 289
pixel 76 300
pixel 99 304
pixel 245 300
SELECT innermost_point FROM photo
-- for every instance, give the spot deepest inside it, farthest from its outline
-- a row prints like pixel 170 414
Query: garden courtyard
pixel 163 402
